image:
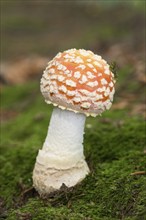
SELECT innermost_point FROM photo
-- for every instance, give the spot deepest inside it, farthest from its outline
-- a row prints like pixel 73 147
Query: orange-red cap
pixel 80 81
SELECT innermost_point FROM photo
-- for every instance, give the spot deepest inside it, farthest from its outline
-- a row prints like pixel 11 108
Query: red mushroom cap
pixel 80 81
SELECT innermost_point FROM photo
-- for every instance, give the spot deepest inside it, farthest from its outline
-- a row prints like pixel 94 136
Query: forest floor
pixel 114 149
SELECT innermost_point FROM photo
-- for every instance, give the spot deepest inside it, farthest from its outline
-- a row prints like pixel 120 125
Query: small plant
pixel 114 68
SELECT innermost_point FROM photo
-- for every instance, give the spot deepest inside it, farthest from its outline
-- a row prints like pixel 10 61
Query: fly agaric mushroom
pixel 79 84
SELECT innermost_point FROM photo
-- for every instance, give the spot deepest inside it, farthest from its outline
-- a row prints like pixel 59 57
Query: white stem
pixel 63 147
pixel 61 160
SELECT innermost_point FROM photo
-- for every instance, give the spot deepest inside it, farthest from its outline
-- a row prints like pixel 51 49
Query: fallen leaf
pixel 120 105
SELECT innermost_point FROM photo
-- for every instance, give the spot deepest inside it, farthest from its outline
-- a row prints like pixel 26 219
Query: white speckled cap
pixel 79 81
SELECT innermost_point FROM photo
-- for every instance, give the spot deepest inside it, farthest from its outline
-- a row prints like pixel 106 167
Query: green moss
pixel 114 146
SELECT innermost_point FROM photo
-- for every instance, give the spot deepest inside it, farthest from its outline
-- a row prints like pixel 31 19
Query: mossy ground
pixel 114 148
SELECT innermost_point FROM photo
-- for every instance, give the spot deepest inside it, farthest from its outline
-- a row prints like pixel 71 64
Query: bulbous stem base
pixel 47 180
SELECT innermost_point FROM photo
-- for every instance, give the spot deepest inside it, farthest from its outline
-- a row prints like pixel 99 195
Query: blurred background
pixel 32 32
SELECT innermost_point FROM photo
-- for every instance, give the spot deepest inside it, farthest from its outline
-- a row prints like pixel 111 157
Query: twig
pixel 138 173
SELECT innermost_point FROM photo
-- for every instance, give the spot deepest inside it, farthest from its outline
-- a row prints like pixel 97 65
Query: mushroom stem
pixel 63 146
pixel 61 160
